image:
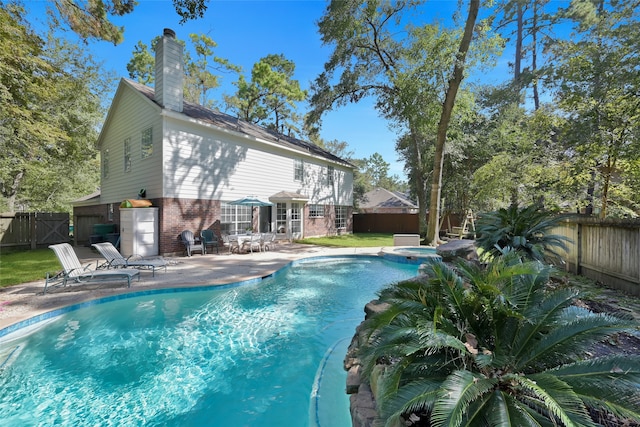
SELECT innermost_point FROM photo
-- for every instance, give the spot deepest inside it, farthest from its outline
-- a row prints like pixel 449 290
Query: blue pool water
pixel 263 354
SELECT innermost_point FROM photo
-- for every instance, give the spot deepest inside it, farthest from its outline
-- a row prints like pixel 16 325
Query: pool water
pixel 265 354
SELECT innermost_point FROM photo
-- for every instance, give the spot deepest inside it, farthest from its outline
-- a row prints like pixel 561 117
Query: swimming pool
pixel 263 354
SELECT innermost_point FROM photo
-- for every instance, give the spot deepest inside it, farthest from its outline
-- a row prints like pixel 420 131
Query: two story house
pixel 191 162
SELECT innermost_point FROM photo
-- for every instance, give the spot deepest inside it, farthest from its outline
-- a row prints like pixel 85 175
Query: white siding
pixel 204 163
pixel 129 116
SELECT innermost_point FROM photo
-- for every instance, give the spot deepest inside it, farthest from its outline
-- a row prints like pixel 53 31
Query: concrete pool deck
pixel 21 302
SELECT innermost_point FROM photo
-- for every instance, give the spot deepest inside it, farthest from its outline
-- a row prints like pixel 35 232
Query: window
pixel 281 218
pixel 298 170
pixel 296 215
pixel 105 163
pixel 146 144
pixel 330 175
pixel 316 211
pixel 235 219
pixel 127 155
pixel 341 217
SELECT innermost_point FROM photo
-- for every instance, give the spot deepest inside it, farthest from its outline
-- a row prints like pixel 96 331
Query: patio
pixel 21 302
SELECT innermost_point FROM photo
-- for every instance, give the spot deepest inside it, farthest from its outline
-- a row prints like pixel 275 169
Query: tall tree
pixel 597 85
pixel 50 92
pixel 433 227
pixel 91 19
pixel 270 97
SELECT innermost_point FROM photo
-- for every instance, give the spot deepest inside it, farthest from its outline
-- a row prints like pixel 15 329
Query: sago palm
pixel 494 347
pixel 526 230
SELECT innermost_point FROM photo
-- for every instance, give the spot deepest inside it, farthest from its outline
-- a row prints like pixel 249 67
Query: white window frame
pixel 330 175
pixel 316 211
pixel 146 143
pixel 234 218
pixel 341 217
pixel 127 155
pixel 298 170
pixel 105 163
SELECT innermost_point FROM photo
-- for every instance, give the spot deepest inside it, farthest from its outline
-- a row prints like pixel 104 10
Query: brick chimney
pixel 169 72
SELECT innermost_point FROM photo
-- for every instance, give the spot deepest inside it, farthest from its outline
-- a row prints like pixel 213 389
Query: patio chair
pixel 190 243
pixel 268 241
pixel 233 242
pixel 116 260
pixel 73 271
pixel 254 242
pixel 208 238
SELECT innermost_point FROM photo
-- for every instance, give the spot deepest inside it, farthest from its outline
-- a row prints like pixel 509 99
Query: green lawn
pixel 26 266
pixel 352 240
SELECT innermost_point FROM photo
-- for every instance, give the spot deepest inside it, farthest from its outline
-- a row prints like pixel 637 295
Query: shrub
pixel 469 346
pixel 525 230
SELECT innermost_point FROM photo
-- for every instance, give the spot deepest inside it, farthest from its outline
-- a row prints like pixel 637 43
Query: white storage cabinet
pixel 139 231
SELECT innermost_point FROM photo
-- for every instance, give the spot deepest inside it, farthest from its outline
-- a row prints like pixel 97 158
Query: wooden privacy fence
pixel 385 223
pixel 604 250
pixel 33 229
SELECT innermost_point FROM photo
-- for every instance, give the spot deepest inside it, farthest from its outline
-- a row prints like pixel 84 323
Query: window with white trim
pixel 330 173
pixel 341 216
pixel 296 217
pixel 234 219
pixel 316 211
pixel 105 163
pixel 281 218
pixel 146 143
pixel 127 155
pixel 298 170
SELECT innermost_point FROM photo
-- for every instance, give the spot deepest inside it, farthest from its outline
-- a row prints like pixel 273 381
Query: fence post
pixel 579 249
pixel 32 229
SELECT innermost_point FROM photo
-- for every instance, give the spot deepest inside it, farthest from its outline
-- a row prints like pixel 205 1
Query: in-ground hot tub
pixel 409 254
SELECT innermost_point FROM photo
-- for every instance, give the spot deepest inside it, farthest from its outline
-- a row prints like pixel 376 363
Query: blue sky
pixel 246 31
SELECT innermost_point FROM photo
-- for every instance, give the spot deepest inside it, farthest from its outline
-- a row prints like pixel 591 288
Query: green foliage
pixel 469 346
pixel 525 230
pixel 270 98
pixel 596 79
pixel 50 92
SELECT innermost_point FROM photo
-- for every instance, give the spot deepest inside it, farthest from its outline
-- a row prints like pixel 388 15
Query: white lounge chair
pixel 116 260
pixel 73 271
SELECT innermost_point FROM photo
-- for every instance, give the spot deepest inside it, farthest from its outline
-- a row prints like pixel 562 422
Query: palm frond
pixel 554 397
pixel 458 391
pixel 570 338
pixel 502 410
pixel 412 397
pixel 609 384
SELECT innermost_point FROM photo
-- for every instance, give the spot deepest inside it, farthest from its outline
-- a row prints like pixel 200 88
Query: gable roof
pixel 381 198
pixel 234 124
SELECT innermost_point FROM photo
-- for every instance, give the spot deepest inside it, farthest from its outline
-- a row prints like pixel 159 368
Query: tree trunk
pixel 433 227
pixel 12 192
pixel 420 184
pixel 517 67
pixel 534 57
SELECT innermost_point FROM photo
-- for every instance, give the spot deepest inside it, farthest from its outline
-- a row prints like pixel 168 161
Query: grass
pixel 26 266
pixel 355 240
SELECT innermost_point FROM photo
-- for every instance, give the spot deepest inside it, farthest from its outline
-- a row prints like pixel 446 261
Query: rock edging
pixel 361 396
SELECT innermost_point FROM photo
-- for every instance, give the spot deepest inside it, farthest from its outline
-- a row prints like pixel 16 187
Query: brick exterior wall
pixel 176 215
pixel 325 226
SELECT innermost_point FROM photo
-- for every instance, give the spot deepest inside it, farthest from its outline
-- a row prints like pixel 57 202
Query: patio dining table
pixel 244 237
